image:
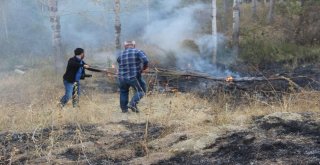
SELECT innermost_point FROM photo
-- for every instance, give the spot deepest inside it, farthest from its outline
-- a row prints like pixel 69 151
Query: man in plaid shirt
pixel 132 62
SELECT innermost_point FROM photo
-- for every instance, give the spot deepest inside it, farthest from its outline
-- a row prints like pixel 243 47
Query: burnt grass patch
pixel 77 143
pixel 238 149
pixel 35 144
pixel 272 141
pixel 137 133
pixel 134 139
pixel 292 142
pixel 306 127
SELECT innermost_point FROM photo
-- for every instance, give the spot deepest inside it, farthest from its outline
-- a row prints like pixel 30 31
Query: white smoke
pixel 170 32
pixel 179 24
pixel 90 24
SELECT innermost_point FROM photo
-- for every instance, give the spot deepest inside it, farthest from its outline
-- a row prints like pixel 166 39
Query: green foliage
pixel 291 8
pixel 257 46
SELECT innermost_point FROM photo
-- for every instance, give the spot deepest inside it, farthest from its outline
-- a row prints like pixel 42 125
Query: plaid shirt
pixel 131 62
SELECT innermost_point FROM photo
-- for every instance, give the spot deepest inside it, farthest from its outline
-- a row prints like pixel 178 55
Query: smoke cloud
pixel 174 26
pixel 178 30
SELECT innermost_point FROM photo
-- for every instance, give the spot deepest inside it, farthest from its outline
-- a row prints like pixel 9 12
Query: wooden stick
pixel 101 70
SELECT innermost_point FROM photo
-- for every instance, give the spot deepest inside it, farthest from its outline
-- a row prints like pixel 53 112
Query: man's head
pixel 129 44
pixel 79 52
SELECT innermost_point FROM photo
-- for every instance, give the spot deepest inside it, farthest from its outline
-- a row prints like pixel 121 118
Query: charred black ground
pixel 268 142
pixel 34 147
pixel 275 139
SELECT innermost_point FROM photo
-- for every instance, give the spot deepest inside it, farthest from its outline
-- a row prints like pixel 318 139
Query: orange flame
pixel 229 79
pixel 174 90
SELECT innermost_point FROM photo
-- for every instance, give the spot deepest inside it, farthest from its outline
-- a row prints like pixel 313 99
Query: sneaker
pixel 60 105
pixel 124 110
pixel 134 108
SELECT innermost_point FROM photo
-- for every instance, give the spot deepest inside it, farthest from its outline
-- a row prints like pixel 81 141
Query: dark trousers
pixel 139 86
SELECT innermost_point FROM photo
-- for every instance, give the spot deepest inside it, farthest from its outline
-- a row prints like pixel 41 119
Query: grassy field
pixel 169 123
pixel 29 102
pixel 35 130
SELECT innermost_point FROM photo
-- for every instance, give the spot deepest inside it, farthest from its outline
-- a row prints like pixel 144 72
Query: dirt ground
pixel 280 138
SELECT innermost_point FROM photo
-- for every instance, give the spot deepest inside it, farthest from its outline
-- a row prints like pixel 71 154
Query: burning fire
pixel 229 79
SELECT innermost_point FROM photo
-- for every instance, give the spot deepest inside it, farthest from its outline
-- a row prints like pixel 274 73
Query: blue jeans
pixel 139 87
pixel 72 90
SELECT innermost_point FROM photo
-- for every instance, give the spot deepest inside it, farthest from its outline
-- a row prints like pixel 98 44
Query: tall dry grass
pixel 29 102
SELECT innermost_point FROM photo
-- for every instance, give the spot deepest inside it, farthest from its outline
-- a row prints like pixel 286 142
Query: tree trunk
pixel 117 25
pixel 56 29
pixel 263 3
pixel 224 16
pixel 299 27
pixel 270 17
pixel 254 10
pixel 236 27
pixel 4 22
pixel 43 6
pixel 148 11
pixel 214 31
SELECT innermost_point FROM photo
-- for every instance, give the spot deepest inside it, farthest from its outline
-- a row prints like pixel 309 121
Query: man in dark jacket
pixel 71 79
pixel 132 62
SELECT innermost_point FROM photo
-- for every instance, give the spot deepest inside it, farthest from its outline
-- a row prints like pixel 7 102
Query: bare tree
pixel 301 21
pixel 56 29
pixel 117 25
pixel 43 5
pixel 224 15
pixel 148 11
pixel 214 30
pixel 254 15
pixel 270 17
pixel 4 20
pixel 236 26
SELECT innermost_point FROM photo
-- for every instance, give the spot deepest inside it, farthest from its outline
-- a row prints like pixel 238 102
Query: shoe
pixel 60 105
pixel 124 110
pixel 134 108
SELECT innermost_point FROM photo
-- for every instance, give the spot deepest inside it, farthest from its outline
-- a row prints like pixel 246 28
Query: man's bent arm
pixel 144 59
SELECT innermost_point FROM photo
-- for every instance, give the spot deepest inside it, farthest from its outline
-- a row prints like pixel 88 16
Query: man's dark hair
pixel 78 51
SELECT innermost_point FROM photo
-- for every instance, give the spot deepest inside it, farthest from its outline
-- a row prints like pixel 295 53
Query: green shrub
pixel 259 45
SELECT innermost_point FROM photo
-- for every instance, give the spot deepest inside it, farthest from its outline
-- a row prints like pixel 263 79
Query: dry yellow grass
pixel 29 102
